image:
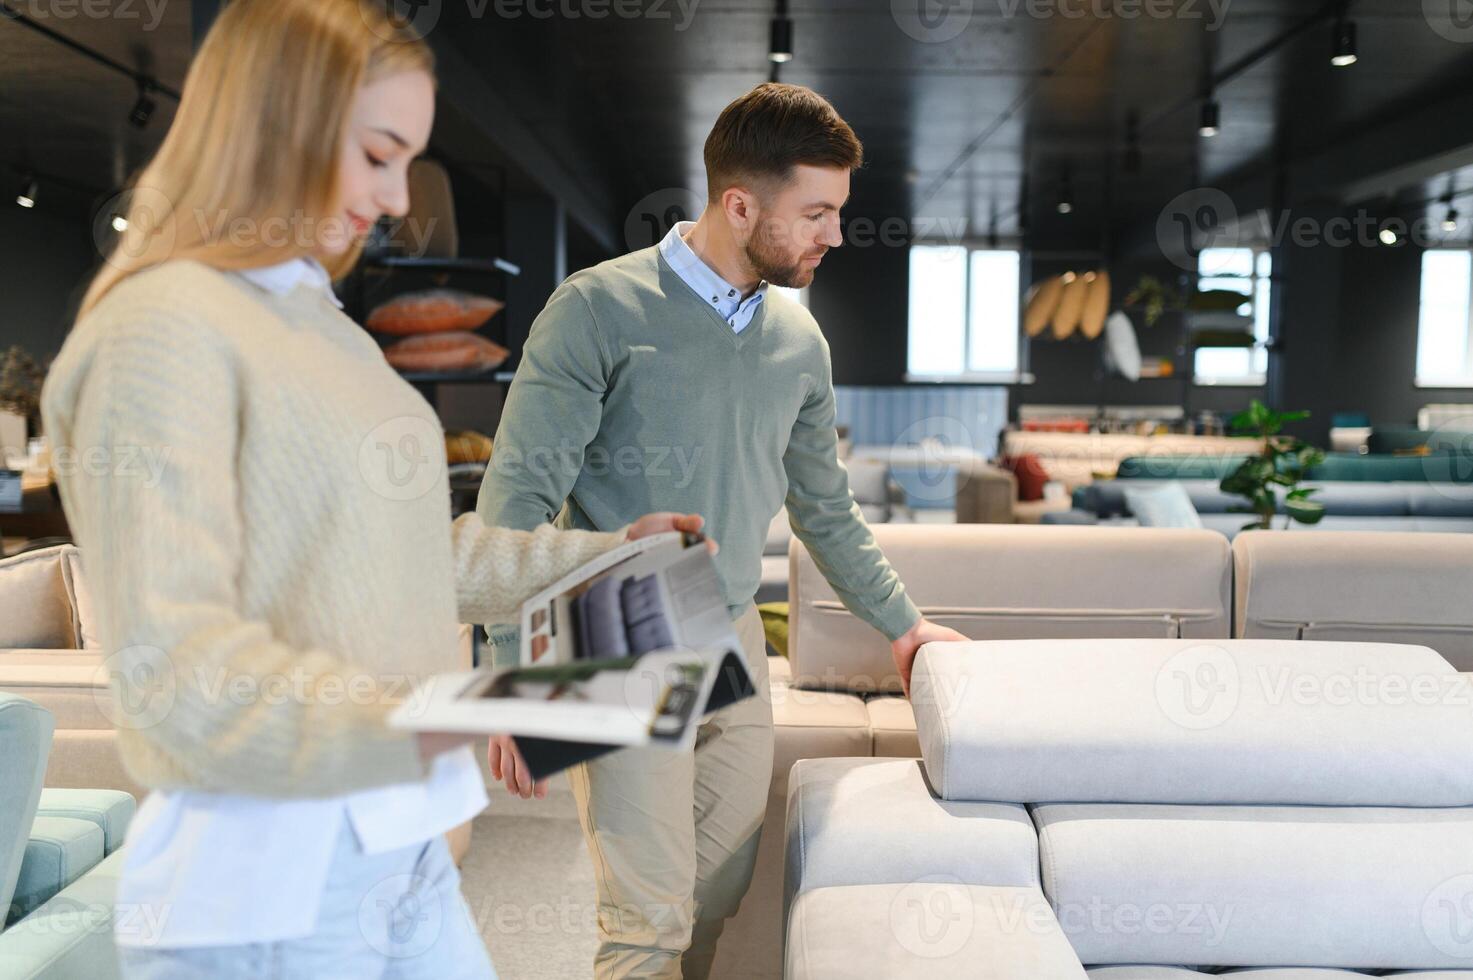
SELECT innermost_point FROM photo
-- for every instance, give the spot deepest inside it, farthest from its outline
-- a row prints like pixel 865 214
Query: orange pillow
pixel 453 351
pixel 433 310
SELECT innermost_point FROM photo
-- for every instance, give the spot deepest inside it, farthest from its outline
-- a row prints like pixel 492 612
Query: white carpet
pixel 529 883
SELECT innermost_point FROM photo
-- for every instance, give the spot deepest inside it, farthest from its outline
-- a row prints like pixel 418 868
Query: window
pixel 963 313
pixel 1443 324
pixel 1246 271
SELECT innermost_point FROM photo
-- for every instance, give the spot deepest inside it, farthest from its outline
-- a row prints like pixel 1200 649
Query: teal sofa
pixel 60 854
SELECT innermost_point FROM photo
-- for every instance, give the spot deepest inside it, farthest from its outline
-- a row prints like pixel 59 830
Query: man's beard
pixel 775 265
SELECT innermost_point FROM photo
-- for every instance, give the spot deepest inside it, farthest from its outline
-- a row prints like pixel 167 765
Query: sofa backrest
pixel 1006 581
pixel 1349 498
pixel 46 605
pixel 1391 586
pixel 25 743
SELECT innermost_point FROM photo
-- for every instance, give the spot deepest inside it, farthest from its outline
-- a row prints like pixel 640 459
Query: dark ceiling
pixel 604 111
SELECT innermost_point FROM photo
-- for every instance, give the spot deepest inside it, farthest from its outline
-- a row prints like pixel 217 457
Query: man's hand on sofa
pixel 904 649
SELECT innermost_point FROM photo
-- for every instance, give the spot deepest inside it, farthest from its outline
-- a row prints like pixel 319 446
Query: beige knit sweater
pixel 263 514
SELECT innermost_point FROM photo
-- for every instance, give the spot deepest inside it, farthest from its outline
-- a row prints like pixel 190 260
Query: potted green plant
pixel 1282 462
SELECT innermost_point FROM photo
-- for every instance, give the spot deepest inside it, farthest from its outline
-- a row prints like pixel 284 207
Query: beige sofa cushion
pixel 1007 581
pixel 37 590
pixel 1386 586
pixel 892 725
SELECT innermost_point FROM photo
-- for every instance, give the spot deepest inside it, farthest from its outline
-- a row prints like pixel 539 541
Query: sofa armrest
pixel 72 934
pixel 985 494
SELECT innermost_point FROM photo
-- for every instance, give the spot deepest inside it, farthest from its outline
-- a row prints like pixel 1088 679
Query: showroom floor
pixel 529 883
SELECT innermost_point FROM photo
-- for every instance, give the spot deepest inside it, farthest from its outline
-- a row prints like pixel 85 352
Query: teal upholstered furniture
pixel 59 858
pixel 1437 467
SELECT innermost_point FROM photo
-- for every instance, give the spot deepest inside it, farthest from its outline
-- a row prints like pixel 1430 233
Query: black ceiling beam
pixel 9 12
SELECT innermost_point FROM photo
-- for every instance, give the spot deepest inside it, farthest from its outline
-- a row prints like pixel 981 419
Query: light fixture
pixel 143 106
pixel 1211 116
pixel 1388 237
pixel 1066 193
pixel 1450 220
pixel 780 47
pixel 1343 54
pixel 27 197
pixel 119 223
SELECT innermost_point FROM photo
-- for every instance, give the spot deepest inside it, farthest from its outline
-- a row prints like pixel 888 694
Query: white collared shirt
pixel 721 295
pixel 221 869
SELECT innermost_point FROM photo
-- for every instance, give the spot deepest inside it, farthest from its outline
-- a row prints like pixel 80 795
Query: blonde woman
pixel 295 569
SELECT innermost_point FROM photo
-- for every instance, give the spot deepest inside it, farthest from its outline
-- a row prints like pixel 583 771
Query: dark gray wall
pixel 46 259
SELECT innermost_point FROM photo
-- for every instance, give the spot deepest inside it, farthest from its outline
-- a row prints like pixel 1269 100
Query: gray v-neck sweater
pixel 634 396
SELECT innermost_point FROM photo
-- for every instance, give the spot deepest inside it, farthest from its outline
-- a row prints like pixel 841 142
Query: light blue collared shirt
pixel 724 298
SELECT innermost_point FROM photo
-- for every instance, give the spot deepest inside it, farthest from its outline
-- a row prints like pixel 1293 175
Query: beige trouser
pixel 673 835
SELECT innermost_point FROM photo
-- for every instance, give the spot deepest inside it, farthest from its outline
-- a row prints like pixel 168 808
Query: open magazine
pixel 632 649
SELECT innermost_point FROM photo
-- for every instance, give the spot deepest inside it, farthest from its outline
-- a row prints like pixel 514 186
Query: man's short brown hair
pixel 764 134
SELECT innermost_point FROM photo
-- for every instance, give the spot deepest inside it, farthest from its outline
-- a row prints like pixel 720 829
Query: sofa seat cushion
pixel 111 810
pixel 1180 973
pixel 72 935
pixel 60 850
pixel 1183 721
pixel 927 930
pixel 892 724
pixel 863 821
pixel 813 725
pixel 1361 888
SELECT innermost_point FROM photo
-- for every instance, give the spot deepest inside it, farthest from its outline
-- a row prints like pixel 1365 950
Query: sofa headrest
pixel 1388 586
pixel 1184 721
pixel 1002 581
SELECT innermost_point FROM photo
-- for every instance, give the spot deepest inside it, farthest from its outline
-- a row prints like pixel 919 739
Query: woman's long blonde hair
pixel 249 167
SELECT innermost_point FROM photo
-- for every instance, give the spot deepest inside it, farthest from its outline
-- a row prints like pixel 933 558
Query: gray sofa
pixel 1144 809
pixel 1350 505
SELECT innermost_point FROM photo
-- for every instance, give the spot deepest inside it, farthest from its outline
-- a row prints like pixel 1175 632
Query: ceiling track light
pixel 143 106
pixel 27 196
pixel 780 44
pixel 1450 220
pixel 1342 54
pixel 1066 195
pixel 1211 117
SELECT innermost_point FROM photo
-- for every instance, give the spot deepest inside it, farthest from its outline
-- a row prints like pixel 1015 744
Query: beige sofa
pixel 49 652
pixel 1386 586
pixel 837 694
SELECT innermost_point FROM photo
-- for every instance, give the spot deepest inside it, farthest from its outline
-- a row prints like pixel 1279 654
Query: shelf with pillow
pixel 433 311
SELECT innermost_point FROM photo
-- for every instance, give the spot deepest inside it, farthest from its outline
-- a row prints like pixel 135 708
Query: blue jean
pixel 393 916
